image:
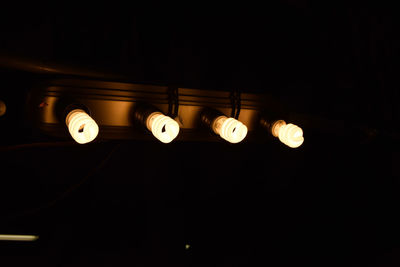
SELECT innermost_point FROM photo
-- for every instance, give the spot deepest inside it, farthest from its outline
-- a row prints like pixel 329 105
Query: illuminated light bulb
pixel 164 128
pixel 81 126
pixel 229 129
pixel 289 134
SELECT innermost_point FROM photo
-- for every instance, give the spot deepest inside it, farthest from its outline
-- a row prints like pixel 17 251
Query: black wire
pixel 176 108
pixel 67 192
pixel 35 145
pixel 235 103
pixel 238 104
pixel 173 101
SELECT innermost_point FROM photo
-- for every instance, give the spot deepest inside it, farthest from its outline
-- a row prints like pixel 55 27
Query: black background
pixel 332 202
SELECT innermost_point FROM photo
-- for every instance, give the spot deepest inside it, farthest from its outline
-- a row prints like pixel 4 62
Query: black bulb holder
pixel 208 115
pixel 142 111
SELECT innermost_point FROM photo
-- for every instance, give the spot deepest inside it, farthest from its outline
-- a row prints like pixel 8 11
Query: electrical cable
pixel 238 104
pixel 232 97
pixel 67 192
pixel 173 102
pixel 236 101
pixel 36 145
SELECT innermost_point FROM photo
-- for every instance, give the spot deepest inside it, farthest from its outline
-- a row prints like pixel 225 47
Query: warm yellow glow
pixel 18 237
pixel 289 134
pixel 229 129
pixel 164 128
pixel 3 108
pixel 81 126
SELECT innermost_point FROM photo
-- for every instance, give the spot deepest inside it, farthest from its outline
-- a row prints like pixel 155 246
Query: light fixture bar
pixel 24 238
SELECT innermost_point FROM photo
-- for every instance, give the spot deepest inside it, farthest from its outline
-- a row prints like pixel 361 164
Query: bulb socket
pixel 208 116
pixel 67 104
pixel 141 112
pixel 268 121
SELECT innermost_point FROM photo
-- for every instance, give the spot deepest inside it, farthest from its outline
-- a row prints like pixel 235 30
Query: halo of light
pixel 3 108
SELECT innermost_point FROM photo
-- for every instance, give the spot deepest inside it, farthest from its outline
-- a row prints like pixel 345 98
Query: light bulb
pixel 289 134
pixel 164 128
pixel 229 129
pixel 81 126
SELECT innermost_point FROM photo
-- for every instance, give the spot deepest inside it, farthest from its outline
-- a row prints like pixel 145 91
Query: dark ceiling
pixel 332 202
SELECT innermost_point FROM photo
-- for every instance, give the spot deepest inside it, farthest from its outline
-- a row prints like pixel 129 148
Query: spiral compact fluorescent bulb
pixel 164 128
pixel 81 126
pixel 289 134
pixel 229 129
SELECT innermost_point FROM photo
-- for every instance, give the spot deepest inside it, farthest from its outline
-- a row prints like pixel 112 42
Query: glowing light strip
pixel 26 238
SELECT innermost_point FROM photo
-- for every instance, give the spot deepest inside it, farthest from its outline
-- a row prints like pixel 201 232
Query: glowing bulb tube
pixel 19 237
pixel 164 128
pixel 81 126
pixel 229 129
pixel 289 134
